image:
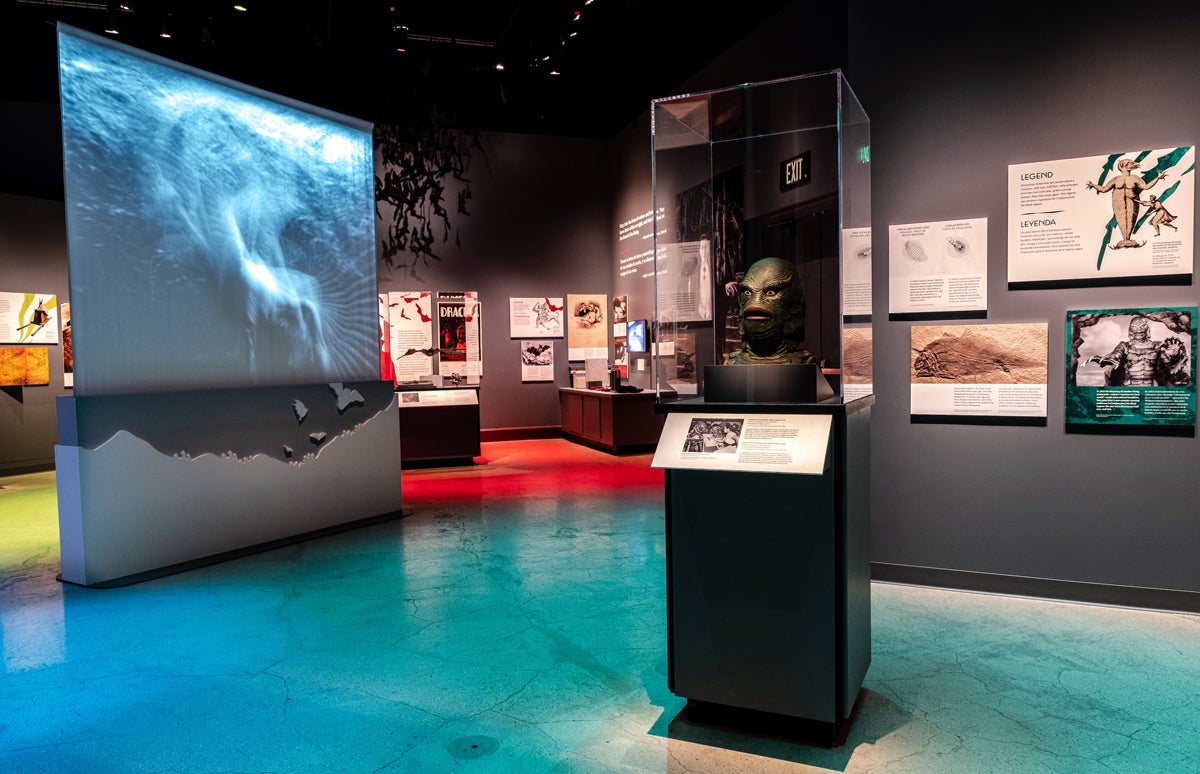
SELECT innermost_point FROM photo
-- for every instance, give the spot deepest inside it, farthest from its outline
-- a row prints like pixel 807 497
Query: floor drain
pixel 471 747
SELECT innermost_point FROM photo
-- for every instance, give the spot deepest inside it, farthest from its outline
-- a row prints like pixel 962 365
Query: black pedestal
pixel 768 582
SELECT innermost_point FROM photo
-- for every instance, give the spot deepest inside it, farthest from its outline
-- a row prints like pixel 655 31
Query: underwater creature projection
pixel 219 237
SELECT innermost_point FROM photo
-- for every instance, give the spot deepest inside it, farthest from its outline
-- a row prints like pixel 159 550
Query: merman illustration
pixel 1126 187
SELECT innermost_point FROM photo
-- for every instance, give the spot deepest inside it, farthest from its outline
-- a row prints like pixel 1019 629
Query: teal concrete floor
pixel 514 621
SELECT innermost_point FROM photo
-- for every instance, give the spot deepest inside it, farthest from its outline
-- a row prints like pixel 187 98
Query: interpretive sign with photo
pixel 1131 368
pixel 1118 219
pixel 28 318
pixel 937 270
pixel 587 326
pixel 410 334
pixel 537 361
pixel 535 317
pixel 856 274
pixel 767 443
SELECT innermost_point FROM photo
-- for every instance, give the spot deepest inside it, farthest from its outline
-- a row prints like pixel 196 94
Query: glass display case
pixel 772 170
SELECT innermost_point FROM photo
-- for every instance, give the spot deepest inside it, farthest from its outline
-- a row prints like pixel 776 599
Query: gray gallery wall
pixel 33 259
pixel 954 97
pixel 538 225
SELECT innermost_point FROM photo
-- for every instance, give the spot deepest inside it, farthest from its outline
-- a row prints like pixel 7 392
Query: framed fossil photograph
pixel 979 374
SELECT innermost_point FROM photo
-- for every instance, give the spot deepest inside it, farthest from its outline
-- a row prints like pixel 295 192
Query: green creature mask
pixel 771 308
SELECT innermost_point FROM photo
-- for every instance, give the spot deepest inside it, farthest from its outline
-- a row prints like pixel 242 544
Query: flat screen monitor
pixel 218 236
pixel 635 336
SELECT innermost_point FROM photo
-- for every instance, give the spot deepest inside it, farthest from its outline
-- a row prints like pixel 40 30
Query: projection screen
pixel 219 236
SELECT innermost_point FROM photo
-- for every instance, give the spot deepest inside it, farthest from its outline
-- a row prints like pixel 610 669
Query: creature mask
pixel 771 304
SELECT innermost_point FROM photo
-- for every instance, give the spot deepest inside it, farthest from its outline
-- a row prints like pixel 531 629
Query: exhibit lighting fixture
pixel 240 8
pixel 499 65
pixel 400 38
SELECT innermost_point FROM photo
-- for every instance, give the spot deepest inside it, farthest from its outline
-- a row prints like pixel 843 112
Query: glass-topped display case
pixel 774 170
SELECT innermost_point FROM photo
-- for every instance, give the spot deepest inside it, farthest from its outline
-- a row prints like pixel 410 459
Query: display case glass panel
pixel 779 169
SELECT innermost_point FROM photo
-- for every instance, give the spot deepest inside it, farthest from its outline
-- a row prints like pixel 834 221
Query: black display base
pixel 814 733
pixel 765 383
pixel 794 656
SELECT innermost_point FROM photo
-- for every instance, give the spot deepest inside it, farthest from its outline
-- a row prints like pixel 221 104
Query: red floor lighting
pixel 537 468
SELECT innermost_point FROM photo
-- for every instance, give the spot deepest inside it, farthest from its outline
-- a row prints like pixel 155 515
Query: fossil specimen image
pixel 916 258
pixel 915 251
pixel 979 354
pixel 959 249
pixel 962 255
pixel 856 356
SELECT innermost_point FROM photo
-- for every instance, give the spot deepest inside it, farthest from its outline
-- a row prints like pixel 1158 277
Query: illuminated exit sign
pixel 795 171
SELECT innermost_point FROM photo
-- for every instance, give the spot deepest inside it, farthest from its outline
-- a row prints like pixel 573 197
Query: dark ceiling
pixel 571 67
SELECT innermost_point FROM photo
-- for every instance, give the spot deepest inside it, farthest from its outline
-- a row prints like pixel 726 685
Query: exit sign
pixel 795 171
